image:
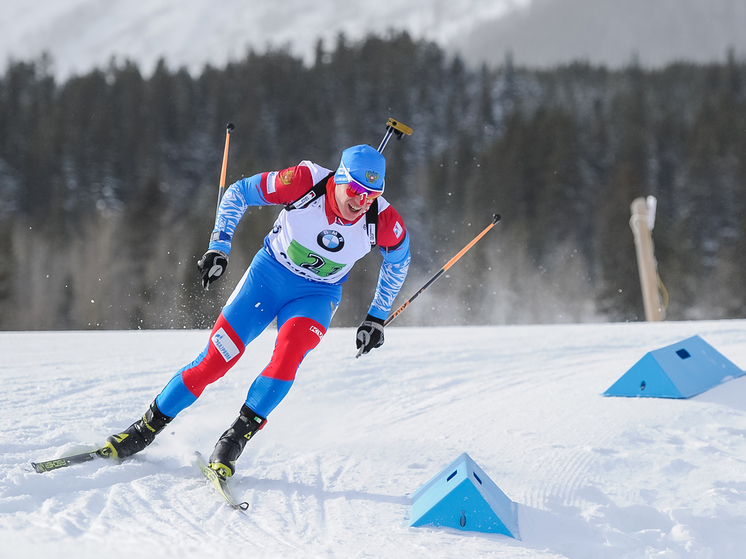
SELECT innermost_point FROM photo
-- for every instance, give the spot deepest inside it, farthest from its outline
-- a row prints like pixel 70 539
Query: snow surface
pixel 332 473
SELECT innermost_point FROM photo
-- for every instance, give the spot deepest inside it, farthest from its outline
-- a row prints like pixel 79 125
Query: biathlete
pixel 296 278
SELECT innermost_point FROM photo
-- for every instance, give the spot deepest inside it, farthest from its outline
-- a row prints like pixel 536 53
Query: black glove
pixel 211 266
pixel 370 334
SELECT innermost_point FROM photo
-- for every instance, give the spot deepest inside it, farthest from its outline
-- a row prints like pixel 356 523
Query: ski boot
pixel 137 436
pixel 230 445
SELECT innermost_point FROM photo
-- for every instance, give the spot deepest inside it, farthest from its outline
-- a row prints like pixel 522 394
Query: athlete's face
pixel 351 207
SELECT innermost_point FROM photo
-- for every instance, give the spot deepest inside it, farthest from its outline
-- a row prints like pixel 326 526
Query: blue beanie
pixel 365 164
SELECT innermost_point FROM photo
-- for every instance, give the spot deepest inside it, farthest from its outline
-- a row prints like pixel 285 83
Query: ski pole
pixel 444 269
pixel 451 262
pixel 221 189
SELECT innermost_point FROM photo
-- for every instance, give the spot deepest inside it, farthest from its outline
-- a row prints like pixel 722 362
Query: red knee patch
pixel 296 337
pixel 223 351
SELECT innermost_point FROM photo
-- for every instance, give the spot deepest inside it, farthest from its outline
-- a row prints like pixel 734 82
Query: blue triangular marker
pixel 680 370
pixel 463 497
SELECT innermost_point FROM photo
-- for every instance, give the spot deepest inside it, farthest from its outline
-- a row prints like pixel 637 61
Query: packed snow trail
pixel 332 473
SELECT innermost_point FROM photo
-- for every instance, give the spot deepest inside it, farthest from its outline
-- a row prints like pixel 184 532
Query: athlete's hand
pixel 370 334
pixel 212 266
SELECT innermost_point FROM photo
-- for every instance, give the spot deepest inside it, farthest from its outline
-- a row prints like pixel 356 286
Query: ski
pixel 65 461
pixel 219 483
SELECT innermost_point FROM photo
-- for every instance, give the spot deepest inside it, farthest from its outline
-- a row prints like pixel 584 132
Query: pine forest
pixel 108 183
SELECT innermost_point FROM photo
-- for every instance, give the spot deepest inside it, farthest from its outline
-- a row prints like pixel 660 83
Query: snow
pixel 332 473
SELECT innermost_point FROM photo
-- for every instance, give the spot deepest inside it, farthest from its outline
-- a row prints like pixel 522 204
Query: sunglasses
pixel 354 188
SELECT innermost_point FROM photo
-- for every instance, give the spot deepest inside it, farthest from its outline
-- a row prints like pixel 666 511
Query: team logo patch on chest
pixel 330 240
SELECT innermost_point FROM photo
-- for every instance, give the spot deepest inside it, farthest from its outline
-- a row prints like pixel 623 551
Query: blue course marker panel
pixel 463 497
pixel 680 370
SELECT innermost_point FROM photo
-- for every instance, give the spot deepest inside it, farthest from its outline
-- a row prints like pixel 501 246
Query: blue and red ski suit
pixel 289 280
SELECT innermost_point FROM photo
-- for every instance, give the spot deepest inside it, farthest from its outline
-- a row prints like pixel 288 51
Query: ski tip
pixel 201 462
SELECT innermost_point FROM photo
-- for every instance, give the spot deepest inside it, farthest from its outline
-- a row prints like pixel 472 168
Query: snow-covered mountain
pixel 611 32
pixel 333 472
pixel 80 34
pixel 84 33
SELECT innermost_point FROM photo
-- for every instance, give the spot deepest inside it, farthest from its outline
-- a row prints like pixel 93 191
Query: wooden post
pixel 645 260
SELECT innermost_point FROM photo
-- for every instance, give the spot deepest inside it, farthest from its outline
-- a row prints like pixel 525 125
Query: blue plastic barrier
pixel 463 497
pixel 680 370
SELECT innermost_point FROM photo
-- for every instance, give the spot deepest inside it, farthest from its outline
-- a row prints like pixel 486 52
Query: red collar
pixel 332 209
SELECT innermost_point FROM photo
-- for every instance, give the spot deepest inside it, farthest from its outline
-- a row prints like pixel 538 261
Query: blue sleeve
pixel 239 196
pixel 394 270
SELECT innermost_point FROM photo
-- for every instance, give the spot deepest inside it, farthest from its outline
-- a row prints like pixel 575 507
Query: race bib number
pixel 311 261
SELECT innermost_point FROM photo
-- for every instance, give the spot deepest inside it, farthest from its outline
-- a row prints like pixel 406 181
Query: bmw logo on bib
pixel 330 240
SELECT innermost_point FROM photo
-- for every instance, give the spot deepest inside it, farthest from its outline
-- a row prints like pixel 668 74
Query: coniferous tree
pixel 113 175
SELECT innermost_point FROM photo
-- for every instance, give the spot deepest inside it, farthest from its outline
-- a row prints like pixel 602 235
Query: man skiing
pixel 296 278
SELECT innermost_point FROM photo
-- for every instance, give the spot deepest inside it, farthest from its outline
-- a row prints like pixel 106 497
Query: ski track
pixel 333 471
